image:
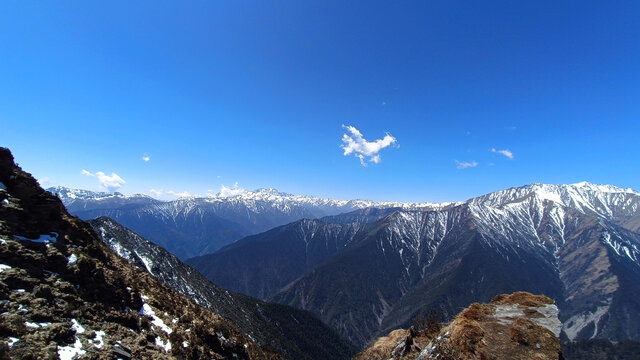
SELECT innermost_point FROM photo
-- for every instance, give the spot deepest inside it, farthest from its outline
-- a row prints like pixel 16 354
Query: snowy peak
pixel 68 195
pixel 602 200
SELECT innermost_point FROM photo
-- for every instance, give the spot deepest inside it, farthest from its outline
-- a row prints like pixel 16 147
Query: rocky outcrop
pixel 517 326
pixel 64 294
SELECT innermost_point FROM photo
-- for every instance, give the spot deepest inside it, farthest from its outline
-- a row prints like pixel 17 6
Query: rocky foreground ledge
pixel 517 326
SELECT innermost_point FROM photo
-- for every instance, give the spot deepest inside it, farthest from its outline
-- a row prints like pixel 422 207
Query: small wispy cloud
pixel 356 144
pixel 109 182
pixel 231 191
pixel 465 164
pixel 45 181
pixel 169 194
pixel 505 152
pixel 146 158
pixel 157 193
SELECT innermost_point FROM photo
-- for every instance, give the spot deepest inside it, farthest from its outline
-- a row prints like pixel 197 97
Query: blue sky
pixel 258 92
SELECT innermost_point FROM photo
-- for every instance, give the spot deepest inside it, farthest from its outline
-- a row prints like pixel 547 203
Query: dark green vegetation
pixel 601 349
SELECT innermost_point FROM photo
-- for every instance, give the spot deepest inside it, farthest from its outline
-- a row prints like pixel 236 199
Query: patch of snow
pixel 36 325
pixel 21 291
pixel 147 263
pixel 576 323
pixel 5 202
pixel 98 341
pixel 175 320
pixel 12 341
pixel 547 192
pixel 166 346
pixel 75 325
pixel 148 311
pixel 72 260
pixel 4 267
pixel 185 344
pixel 117 247
pixel 3 241
pixel 71 351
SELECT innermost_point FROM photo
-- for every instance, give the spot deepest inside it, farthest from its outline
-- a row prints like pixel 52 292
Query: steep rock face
pixel 576 243
pixel 65 294
pixel 517 326
pixel 291 332
pixel 190 227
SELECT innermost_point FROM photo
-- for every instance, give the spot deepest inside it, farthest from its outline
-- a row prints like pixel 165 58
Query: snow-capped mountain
pixel 76 200
pixel 199 225
pixel 579 244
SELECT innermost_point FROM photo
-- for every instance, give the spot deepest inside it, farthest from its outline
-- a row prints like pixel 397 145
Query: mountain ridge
pixel 533 235
pixel 293 333
pixel 65 294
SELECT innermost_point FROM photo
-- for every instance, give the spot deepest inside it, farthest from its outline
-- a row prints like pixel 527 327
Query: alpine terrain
pixel 64 294
pixel 519 326
pixel 194 226
pixel 293 333
pixel 366 273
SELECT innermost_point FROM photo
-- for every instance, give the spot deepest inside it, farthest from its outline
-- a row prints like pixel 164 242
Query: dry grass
pixel 467 335
pixel 522 298
pixel 477 311
pixel 383 347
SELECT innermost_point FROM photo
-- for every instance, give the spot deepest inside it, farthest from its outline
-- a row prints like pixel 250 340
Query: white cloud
pixel 45 181
pixel 146 158
pixel 505 152
pixel 465 164
pixel 157 193
pixel 110 183
pixel 179 194
pixel 169 194
pixel 231 191
pixel 357 145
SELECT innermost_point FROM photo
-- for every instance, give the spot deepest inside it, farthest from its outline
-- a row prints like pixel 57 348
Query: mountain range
pixel 373 270
pixel 195 226
pixel 363 272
